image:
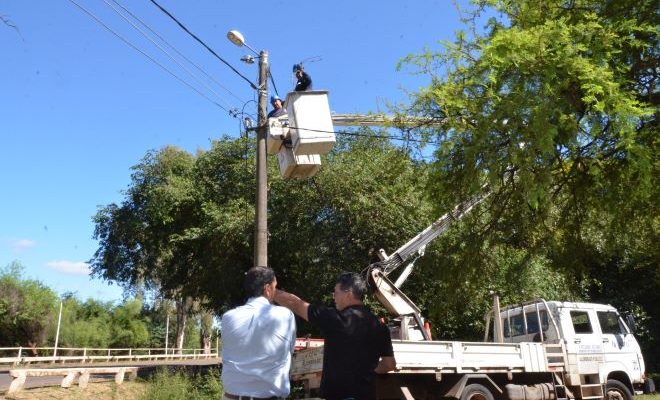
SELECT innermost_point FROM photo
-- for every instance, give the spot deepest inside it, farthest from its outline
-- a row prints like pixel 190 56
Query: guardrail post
pixel 130 354
pixel 84 354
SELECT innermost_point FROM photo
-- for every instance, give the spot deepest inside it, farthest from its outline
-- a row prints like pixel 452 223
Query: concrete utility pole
pixel 261 223
pixel 261 203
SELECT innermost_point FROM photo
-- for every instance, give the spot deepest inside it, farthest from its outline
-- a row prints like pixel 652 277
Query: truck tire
pixel 615 390
pixel 477 391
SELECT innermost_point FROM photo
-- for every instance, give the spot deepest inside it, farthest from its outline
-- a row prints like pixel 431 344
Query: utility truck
pixel 537 350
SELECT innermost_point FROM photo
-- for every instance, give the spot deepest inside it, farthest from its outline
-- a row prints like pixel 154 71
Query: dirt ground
pixel 96 391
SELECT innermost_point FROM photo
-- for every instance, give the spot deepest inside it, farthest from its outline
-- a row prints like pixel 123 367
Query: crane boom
pixel 438 227
pixel 389 294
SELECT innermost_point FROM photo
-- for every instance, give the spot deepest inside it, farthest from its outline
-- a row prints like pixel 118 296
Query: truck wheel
pixel 616 390
pixel 477 391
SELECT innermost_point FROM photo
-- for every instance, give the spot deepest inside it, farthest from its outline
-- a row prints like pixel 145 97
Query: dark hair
pixel 350 281
pixel 256 278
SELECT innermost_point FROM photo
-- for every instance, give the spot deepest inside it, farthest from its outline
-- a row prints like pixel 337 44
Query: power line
pixel 176 50
pixel 145 54
pixel 164 51
pixel 204 44
pixel 273 82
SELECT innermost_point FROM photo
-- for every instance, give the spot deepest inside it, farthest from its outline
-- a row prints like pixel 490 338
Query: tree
pixel 550 92
pixel 27 309
pixel 565 95
pixel 129 327
pixel 368 195
pixel 85 324
pixel 185 226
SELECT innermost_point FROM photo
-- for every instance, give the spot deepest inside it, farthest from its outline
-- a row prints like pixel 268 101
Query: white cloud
pixel 69 267
pixel 21 245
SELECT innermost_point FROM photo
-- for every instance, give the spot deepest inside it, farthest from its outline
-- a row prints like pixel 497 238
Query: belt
pixel 235 397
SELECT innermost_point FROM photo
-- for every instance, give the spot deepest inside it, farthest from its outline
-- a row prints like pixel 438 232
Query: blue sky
pixel 78 107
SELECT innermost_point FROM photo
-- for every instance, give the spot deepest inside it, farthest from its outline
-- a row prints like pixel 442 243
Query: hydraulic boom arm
pixel 388 293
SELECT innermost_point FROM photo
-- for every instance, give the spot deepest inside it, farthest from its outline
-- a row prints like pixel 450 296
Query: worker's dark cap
pixel 274 98
pixel 297 67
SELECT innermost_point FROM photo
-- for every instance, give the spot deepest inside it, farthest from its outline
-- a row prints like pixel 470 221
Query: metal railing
pixel 26 355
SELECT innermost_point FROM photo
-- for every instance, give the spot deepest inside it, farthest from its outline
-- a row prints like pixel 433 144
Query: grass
pixel 163 385
pixel 96 391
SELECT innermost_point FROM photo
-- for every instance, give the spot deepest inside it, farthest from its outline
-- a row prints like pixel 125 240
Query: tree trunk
pixel 206 329
pixel 183 306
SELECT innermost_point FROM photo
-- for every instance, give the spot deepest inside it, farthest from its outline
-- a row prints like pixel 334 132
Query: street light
pixel 237 38
pixel 261 226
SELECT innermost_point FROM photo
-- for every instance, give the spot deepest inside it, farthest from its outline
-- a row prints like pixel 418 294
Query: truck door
pixel 620 349
pixel 585 346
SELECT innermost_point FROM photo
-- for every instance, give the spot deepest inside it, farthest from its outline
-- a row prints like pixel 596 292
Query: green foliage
pixel 27 308
pixel 368 195
pixel 165 385
pixel 85 324
pixel 129 329
pixel 102 325
pixel 565 95
pixel 195 239
pixel 548 93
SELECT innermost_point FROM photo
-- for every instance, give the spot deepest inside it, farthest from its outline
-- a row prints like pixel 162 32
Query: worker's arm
pixel 385 364
pixel 293 303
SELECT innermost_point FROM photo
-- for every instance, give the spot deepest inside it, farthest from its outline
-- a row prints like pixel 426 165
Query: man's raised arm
pixel 292 302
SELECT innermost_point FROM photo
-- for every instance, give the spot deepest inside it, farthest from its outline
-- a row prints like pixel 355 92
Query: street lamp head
pixel 236 38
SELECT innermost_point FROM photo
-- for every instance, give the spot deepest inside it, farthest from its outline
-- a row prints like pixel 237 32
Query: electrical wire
pixel 86 11
pixel 273 82
pixel 192 75
pixel 200 69
pixel 204 44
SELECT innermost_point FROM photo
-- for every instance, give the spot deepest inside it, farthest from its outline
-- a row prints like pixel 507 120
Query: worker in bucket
pixel 304 80
pixel 357 345
pixel 258 339
pixel 278 110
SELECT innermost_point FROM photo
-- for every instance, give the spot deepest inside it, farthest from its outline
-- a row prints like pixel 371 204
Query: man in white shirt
pixel 257 342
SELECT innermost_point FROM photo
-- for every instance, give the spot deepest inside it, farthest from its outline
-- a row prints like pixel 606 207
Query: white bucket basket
pixel 297 166
pixel 310 122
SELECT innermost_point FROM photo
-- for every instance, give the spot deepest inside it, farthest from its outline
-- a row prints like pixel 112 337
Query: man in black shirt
pixel 304 80
pixel 357 345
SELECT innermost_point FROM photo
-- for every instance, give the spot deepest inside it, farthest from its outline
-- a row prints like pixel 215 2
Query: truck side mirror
pixel 630 321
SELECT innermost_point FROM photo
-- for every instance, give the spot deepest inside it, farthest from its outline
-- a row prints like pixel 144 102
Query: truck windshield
pixel 610 323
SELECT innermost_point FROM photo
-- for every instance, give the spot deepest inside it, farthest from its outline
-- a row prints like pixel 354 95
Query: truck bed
pixel 444 357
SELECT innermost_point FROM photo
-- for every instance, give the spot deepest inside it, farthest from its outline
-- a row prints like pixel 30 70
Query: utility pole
pixel 261 223
pixel 261 203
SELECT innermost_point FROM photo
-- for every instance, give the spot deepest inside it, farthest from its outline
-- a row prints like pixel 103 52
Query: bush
pixel 166 385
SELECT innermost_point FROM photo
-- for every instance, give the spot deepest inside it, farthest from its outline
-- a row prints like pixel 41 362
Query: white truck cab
pixel 597 341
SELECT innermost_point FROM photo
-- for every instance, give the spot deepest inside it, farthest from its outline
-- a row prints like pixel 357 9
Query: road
pixel 146 367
